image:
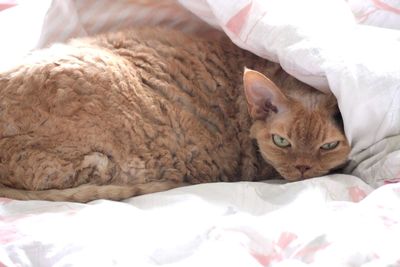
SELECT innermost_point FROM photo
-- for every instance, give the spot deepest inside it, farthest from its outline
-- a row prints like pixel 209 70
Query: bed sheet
pixel 330 221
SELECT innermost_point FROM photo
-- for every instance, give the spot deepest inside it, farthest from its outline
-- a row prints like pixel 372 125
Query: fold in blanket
pixel 320 43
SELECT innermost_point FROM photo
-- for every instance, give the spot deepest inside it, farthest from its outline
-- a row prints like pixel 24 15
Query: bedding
pixel 382 13
pixel 337 220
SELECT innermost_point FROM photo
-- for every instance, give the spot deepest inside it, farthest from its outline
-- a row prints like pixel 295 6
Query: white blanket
pixel 320 43
pixel 317 222
pixel 336 220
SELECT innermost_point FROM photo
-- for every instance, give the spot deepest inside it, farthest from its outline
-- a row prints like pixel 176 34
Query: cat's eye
pixel 280 141
pixel 329 146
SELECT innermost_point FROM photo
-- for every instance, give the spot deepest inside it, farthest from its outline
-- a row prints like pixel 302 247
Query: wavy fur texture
pixel 146 110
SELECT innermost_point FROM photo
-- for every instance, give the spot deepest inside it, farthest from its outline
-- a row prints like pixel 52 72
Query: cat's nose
pixel 303 168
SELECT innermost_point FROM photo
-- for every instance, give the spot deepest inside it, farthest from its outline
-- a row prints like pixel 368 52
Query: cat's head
pixel 299 138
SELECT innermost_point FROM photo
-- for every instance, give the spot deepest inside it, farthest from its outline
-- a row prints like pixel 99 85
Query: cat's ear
pixel 263 96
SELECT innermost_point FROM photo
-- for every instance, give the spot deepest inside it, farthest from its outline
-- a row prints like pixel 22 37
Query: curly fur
pixel 134 112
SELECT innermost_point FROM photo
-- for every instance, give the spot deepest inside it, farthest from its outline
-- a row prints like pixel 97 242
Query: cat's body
pixel 135 112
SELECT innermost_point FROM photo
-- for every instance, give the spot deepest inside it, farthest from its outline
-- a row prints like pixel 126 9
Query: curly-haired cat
pixel 147 110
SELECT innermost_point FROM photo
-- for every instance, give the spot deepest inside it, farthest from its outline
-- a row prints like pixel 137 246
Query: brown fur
pixel 147 110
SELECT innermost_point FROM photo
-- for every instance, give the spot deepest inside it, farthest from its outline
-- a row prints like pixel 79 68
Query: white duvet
pixel 336 220
pixel 320 222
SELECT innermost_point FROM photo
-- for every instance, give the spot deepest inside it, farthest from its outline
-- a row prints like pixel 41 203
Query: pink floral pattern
pixel 383 13
pixel 395 179
pixel 277 252
pixel 356 193
pixel 236 22
pixel 4 4
pixel 379 4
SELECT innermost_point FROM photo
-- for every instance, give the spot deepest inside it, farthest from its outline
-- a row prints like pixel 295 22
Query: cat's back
pixel 129 107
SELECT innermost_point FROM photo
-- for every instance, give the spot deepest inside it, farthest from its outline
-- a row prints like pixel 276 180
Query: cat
pixel 150 109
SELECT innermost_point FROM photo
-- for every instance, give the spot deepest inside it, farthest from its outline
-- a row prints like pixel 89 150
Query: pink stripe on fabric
pixel 4 4
pixel 382 5
pixel 366 15
pixel 356 193
pixel 285 239
pixel 392 181
pixel 236 23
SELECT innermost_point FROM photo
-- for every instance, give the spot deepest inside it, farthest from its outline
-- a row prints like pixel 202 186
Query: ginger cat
pixel 146 110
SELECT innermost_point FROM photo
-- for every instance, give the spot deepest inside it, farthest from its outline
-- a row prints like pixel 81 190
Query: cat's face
pixel 297 141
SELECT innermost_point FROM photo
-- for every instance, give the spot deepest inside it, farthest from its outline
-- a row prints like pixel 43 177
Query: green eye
pixel 280 141
pixel 329 146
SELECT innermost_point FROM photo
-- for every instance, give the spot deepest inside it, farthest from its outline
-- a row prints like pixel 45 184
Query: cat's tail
pixel 88 192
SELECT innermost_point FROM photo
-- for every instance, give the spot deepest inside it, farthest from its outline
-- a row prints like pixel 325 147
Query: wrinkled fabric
pixel 321 43
pixel 336 220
